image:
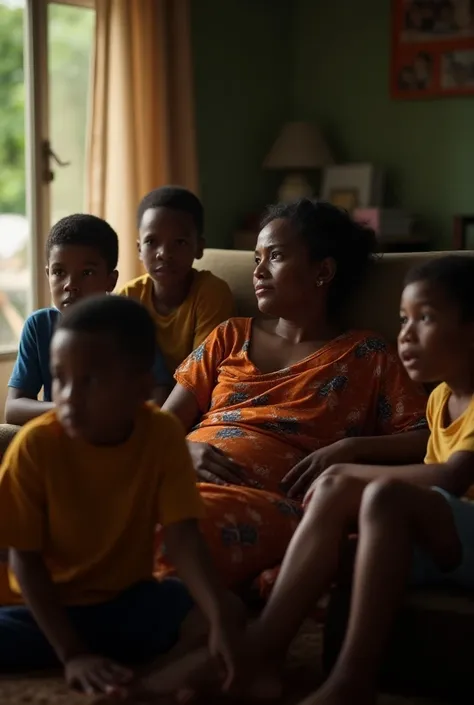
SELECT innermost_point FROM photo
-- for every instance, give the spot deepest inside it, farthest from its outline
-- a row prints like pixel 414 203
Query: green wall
pixel 258 63
pixel 243 78
pixel 341 80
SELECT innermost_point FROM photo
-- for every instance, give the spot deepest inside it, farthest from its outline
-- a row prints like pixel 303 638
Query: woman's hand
pixel 212 465
pixel 297 482
pixel 92 674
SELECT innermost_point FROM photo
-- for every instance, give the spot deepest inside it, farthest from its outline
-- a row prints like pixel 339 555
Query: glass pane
pixel 70 47
pixel 14 229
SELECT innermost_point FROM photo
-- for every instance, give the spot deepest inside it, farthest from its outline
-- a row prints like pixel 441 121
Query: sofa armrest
pixel 7 433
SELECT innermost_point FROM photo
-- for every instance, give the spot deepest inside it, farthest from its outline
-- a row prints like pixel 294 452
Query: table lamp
pixel 298 147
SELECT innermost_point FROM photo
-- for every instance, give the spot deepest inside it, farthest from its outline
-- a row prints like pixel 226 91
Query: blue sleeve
pixel 26 373
pixel 160 371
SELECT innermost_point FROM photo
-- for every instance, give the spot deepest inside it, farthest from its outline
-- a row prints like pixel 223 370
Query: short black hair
pixel 123 319
pixel 176 198
pixel 329 231
pixel 89 231
pixel 454 274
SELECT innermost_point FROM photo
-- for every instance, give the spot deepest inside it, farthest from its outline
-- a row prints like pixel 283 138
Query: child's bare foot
pixel 341 692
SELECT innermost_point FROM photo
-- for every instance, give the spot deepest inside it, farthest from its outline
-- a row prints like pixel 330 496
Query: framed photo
pixel 344 198
pixel 432 48
pixel 352 186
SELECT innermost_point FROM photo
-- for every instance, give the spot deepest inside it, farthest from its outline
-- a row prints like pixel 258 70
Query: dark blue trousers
pixel 135 627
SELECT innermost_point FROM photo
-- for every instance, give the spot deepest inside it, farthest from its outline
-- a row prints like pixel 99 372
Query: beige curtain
pixel 142 131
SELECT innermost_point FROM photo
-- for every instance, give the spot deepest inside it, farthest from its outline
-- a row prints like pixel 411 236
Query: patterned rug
pixel 302 676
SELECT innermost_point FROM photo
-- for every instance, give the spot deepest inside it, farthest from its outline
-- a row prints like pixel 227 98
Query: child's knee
pixel 383 496
pixel 334 489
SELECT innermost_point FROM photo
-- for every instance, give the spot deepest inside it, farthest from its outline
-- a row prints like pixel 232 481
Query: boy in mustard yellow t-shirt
pixel 81 490
pixel 186 304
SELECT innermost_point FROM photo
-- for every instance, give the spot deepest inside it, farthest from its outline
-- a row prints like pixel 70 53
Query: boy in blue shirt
pixel 81 260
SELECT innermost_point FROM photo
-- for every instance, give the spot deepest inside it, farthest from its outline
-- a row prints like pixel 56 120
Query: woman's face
pixel 285 280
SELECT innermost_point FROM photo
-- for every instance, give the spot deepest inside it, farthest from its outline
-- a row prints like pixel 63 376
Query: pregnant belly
pixel 265 458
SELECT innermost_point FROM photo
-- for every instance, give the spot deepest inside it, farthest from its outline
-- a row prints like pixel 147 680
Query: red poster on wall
pixel 433 48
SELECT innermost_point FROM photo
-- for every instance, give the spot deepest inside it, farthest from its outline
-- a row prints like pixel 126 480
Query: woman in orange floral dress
pixel 269 404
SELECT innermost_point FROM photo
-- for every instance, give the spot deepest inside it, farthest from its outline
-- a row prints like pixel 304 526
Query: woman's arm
pixel 210 464
pixel 183 404
pixel 21 408
pixel 160 394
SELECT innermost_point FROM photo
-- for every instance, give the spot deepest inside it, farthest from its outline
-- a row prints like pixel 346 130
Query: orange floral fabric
pixel 267 422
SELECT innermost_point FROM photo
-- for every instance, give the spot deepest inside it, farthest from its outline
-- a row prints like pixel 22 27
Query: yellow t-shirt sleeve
pixel 465 441
pixel 215 305
pixel 178 496
pixel 137 289
pixel 23 494
pixel 430 456
pixel 459 436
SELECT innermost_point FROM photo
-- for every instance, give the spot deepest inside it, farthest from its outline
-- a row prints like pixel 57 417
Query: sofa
pixel 430 651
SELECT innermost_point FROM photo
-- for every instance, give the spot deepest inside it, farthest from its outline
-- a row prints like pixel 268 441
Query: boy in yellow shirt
pixel 186 304
pixel 82 488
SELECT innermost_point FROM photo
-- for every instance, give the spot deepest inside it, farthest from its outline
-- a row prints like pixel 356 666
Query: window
pixel 70 44
pixel 60 48
pixel 14 232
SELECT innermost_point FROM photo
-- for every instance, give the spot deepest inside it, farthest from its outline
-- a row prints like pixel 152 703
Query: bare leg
pixel 189 664
pixel 310 565
pixel 311 561
pixel 394 516
pixel 308 569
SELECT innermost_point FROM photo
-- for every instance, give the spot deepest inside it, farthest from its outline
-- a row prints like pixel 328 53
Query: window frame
pixel 36 108
pixel 36 134
pixel 79 3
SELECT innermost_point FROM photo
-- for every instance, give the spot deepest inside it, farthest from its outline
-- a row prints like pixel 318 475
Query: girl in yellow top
pixel 414 525
pixel 186 305
pixel 81 490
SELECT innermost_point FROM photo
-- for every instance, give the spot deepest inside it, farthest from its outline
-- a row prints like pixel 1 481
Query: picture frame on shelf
pixel 353 185
pixel 347 199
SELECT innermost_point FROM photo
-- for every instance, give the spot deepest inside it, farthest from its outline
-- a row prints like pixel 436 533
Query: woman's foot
pixel 341 692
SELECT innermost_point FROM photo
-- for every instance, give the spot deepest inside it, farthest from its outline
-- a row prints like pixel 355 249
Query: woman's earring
pixel 319 282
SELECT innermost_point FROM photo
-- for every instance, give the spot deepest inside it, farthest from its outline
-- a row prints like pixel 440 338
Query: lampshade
pixel 300 145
